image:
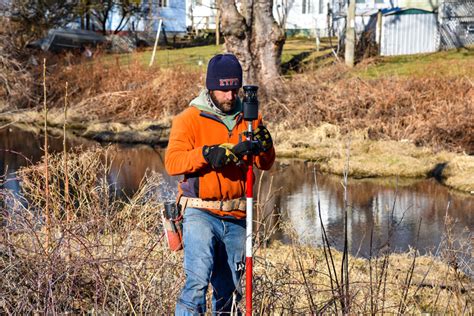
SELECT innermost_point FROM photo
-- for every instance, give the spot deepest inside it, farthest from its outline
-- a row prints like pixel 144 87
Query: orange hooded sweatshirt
pixel 200 125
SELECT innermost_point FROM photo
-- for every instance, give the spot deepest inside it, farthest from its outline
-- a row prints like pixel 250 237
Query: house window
pixel 306 6
pixel 379 1
pixel 321 6
pixel 162 3
pixel 360 1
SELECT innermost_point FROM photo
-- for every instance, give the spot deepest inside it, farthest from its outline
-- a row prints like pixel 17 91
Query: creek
pixel 382 214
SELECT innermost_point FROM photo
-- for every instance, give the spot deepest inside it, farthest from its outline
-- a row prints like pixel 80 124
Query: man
pixel 207 145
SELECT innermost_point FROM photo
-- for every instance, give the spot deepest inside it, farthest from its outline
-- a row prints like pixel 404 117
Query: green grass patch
pixel 191 56
pixel 446 63
pixel 302 51
pixel 200 55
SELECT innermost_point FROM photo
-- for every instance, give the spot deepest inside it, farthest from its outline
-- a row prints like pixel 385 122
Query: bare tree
pixel 102 11
pixel 35 18
pixel 283 8
pixel 255 37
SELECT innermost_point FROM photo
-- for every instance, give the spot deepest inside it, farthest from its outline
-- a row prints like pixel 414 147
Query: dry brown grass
pixel 327 146
pixel 107 255
pixel 290 277
pixel 17 85
pixel 105 89
pixel 427 111
pixel 436 111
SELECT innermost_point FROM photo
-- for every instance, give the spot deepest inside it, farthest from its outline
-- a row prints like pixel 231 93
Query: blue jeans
pixel 214 251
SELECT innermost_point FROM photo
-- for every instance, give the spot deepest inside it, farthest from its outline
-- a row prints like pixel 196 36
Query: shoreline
pixel 324 144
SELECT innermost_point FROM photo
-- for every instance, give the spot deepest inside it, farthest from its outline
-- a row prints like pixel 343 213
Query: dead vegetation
pixel 107 90
pixel 432 110
pixel 104 254
pixel 107 255
pixel 17 84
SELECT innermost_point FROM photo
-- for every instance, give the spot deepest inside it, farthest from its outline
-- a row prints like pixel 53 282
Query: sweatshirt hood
pixel 204 103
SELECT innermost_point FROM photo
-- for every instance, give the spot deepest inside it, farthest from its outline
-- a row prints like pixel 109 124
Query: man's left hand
pixel 246 148
pixel 262 134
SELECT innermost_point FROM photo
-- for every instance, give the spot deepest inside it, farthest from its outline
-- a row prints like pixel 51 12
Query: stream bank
pixel 324 144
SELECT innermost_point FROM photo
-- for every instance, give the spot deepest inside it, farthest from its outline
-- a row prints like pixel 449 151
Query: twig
pixel 345 254
pixel 8 124
pixel 46 171
pixel 327 249
pixel 409 277
pixel 307 287
pixel 66 174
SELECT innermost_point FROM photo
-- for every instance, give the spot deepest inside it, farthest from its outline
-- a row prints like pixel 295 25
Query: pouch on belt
pixel 173 225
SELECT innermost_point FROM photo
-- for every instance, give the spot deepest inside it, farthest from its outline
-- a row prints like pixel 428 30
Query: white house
pixel 306 17
pixel 309 16
pixel 171 12
pixel 201 14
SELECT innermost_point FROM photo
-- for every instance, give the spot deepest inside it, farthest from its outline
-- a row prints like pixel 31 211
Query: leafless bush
pixel 110 90
pixel 428 111
pixel 17 86
pixel 108 256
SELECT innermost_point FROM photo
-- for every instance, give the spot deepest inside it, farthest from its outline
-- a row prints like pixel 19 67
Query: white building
pixel 171 12
pixel 201 14
pixel 304 17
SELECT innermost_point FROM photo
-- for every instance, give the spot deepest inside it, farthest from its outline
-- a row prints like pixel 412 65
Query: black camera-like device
pixel 250 103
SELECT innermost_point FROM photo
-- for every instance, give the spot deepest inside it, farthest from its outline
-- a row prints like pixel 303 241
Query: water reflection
pixel 393 212
pixel 399 216
pixel 20 148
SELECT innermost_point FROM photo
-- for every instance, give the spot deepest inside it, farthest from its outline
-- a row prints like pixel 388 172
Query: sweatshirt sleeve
pixel 181 155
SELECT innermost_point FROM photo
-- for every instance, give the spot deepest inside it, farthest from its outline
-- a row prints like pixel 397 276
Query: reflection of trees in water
pixel 20 148
pixel 390 210
pixel 295 197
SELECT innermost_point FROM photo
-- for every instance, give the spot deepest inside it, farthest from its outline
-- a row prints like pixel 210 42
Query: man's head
pixel 223 80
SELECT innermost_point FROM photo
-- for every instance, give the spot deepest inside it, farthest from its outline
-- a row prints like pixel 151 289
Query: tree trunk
pixel 350 34
pixel 255 38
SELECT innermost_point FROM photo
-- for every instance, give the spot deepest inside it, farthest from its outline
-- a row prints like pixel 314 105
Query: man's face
pixel 224 99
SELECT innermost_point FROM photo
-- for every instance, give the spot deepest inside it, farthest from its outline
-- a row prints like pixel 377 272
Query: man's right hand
pixel 219 155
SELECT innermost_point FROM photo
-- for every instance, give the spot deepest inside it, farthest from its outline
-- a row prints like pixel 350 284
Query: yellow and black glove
pixel 262 135
pixel 247 148
pixel 219 155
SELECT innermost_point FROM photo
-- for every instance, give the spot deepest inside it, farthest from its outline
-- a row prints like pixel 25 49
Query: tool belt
pixel 225 206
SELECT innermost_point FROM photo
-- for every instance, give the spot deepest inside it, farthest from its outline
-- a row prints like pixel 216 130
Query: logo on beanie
pixel 229 82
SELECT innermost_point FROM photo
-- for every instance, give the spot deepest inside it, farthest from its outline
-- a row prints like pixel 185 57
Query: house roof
pixel 405 11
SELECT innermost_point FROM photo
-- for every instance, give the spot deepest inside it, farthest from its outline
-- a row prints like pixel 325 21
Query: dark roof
pixel 400 11
pixel 58 39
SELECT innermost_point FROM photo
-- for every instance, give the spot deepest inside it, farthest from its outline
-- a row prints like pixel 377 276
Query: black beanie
pixel 224 73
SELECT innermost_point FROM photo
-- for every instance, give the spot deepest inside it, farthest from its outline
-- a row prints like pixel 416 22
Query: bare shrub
pixel 108 256
pixel 17 86
pixel 428 111
pixel 110 90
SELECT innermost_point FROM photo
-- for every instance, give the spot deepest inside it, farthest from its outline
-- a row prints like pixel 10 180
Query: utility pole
pixel 350 34
pixel 218 22
pixel 379 31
